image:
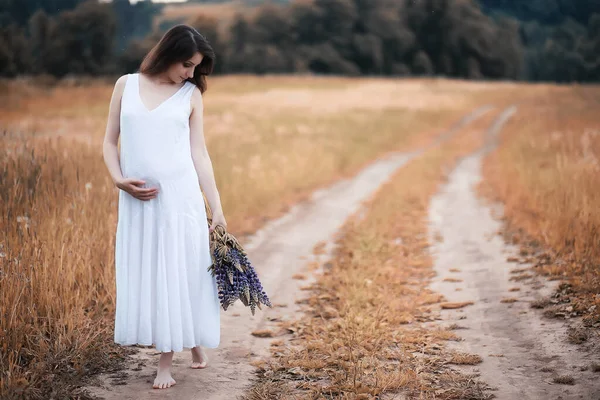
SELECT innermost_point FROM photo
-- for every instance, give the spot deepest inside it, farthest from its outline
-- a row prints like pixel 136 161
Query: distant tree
pixel 367 53
pixel 338 18
pixel 272 24
pixel 557 37
pixel 307 23
pixel 81 40
pixel 129 60
pixel 15 52
pixel 237 44
pixel 544 11
pixel 262 43
pixel 421 64
pixel 325 59
pixel 461 41
pixel 589 47
pixel 208 26
pixel 133 21
pixel 41 26
pixel 571 53
pixel 386 21
pixel 20 11
pixel 272 40
pixel 400 69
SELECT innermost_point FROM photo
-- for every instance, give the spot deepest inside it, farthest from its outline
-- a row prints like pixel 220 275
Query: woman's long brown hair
pixel 179 44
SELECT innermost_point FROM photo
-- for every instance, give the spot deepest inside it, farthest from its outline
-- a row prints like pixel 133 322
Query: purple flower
pixel 235 276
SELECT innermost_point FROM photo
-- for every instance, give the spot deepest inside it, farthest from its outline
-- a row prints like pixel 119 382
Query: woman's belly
pixel 158 164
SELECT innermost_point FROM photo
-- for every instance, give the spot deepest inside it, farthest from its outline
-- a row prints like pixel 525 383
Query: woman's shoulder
pixel 119 87
pixel 122 80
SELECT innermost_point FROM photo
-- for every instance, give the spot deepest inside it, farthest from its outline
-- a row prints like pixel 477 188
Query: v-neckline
pixel 160 104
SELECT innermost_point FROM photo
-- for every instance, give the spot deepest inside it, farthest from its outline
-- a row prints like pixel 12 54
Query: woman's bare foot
pixel 163 378
pixel 199 358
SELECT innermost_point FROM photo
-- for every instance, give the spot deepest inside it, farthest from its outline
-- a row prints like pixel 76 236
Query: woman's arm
pixel 113 127
pixel 202 161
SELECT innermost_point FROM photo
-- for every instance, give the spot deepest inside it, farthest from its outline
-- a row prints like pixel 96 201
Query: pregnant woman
pixel 166 297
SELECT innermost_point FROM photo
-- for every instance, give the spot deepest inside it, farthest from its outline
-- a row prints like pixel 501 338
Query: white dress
pixel 166 297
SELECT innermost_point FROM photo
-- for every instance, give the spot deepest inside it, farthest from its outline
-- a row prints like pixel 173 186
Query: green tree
pixel 40 26
pixel 15 54
pixel 208 26
pixel 20 11
pixel 82 40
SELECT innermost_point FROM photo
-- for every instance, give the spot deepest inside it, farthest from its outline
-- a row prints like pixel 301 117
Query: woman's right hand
pixel 134 187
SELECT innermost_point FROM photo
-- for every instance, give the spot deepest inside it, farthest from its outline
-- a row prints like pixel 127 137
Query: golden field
pixel 273 140
pixel 547 173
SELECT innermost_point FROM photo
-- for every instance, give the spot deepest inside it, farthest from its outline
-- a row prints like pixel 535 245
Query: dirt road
pixel 278 251
pixel 522 352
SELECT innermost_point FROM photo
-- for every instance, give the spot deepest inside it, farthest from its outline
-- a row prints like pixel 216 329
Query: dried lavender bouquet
pixel 236 278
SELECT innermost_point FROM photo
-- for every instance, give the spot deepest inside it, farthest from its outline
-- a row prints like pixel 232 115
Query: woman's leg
pixel 199 358
pixel 163 378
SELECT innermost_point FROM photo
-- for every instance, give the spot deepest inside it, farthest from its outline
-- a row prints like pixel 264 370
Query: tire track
pixel 513 340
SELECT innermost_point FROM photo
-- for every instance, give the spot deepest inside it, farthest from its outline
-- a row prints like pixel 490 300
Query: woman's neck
pixel 160 80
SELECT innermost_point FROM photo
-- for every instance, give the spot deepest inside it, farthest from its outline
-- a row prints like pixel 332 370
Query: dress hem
pixel 176 350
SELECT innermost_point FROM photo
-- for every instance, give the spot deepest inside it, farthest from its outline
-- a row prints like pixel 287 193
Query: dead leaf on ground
pixel 455 305
pixel 263 333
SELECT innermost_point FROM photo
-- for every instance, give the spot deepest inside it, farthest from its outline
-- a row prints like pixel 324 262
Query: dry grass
pixel 56 283
pixel 59 205
pixel 373 342
pixel 578 334
pixel 547 173
pixel 564 380
pixel 520 277
pixel 540 303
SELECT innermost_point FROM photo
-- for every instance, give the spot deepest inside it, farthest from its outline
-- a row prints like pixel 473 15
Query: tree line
pixel 552 40
pixel 560 38
pixel 58 37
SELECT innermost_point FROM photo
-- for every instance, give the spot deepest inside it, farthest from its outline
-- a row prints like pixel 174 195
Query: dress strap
pixel 129 84
pixel 187 95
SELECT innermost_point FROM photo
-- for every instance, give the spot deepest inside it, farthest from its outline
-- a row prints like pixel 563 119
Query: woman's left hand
pixel 218 219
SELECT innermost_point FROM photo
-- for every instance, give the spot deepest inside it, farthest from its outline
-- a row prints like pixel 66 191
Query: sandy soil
pixel 522 351
pixel 281 249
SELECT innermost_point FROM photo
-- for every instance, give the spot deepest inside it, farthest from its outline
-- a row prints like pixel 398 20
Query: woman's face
pixel 181 71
